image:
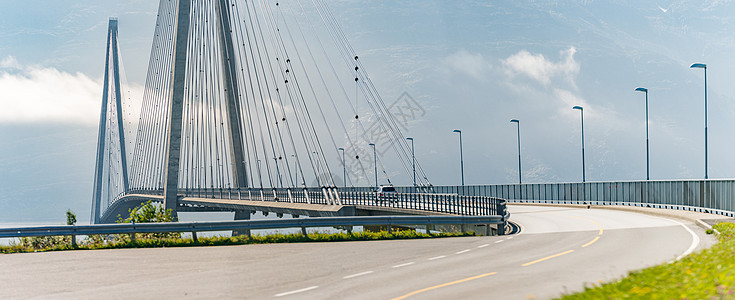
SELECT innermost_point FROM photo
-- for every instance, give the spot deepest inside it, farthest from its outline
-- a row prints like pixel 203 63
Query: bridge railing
pixel 713 196
pixel 245 225
pixel 450 203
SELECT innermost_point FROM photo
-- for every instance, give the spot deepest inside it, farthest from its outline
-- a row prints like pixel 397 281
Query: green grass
pixel 708 274
pixel 122 241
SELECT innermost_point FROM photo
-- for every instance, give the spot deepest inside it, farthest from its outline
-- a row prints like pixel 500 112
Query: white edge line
pixel 695 239
pixel 499 241
pixel 438 257
pixel 403 265
pixel 483 245
pixel 296 291
pixel 508 238
pixel 463 251
pixel 358 274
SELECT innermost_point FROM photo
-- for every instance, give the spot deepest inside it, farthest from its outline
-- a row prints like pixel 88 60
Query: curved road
pixel 560 249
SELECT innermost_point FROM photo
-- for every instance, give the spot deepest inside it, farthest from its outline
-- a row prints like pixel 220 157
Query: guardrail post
pixel 73 241
pixel 132 237
pixel 488 232
pixel 194 236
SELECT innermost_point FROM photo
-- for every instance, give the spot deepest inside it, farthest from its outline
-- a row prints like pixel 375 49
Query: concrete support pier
pixel 241 215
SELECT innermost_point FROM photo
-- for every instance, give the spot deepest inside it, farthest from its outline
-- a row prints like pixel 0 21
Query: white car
pixel 387 192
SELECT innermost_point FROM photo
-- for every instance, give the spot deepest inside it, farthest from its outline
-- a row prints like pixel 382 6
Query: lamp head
pixel 577 107
pixel 371 144
pixel 409 139
pixel 515 121
pixel 641 89
pixel 457 130
pixel 340 148
pixel 698 65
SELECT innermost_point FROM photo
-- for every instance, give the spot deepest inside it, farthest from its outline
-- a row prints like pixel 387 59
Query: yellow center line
pixel 444 285
pixel 598 224
pixel 591 242
pixel 546 258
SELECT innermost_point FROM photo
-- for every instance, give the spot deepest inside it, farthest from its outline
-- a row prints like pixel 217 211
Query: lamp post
pixel 344 166
pixel 520 181
pixel 648 173
pixel 581 111
pixel 375 162
pixel 461 158
pixel 704 66
pixel 413 161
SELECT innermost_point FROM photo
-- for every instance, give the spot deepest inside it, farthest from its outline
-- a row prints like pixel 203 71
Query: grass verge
pixel 94 243
pixel 708 274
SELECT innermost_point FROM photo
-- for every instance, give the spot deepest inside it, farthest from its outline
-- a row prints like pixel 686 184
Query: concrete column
pixel 241 215
pixel 237 158
pixel 173 149
pixel 118 102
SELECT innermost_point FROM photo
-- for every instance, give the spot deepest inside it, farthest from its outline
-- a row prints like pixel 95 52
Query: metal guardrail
pixel 713 196
pixel 194 227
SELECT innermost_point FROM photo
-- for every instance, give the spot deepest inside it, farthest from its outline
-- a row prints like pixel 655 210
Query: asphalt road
pixel 559 250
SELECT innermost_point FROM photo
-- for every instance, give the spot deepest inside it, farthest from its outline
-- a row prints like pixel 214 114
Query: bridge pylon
pixel 178 83
pixel 106 138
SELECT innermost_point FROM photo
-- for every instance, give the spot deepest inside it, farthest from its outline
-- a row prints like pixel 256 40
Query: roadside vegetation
pixel 708 274
pixel 150 212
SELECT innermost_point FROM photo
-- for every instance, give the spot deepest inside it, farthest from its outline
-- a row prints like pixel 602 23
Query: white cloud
pixel 537 67
pixel 9 63
pixel 473 65
pixel 32 94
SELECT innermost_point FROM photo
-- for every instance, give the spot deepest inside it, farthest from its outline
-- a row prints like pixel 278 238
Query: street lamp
pixel 520 181
pixel 461 158
pixel 413 161
pixel 344 166
pixel 704 66
pixel 375 162
pixel 648 174
pixel 581 111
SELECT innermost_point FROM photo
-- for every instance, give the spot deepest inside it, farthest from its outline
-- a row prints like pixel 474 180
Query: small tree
pixel 71 218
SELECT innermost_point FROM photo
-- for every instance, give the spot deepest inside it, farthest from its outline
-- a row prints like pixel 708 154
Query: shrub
pixel 148 212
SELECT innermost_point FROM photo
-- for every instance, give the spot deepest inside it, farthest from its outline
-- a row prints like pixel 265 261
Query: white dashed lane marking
pixel 403 265
pixel 297 291
pixel 356 275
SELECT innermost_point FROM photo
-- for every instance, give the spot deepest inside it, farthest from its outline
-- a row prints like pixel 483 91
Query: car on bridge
pixel 387 192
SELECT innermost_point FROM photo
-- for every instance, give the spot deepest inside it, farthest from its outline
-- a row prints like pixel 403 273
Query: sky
pixel 468 65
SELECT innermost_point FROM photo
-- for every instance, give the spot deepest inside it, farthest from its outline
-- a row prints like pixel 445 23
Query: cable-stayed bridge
pixel 247 101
